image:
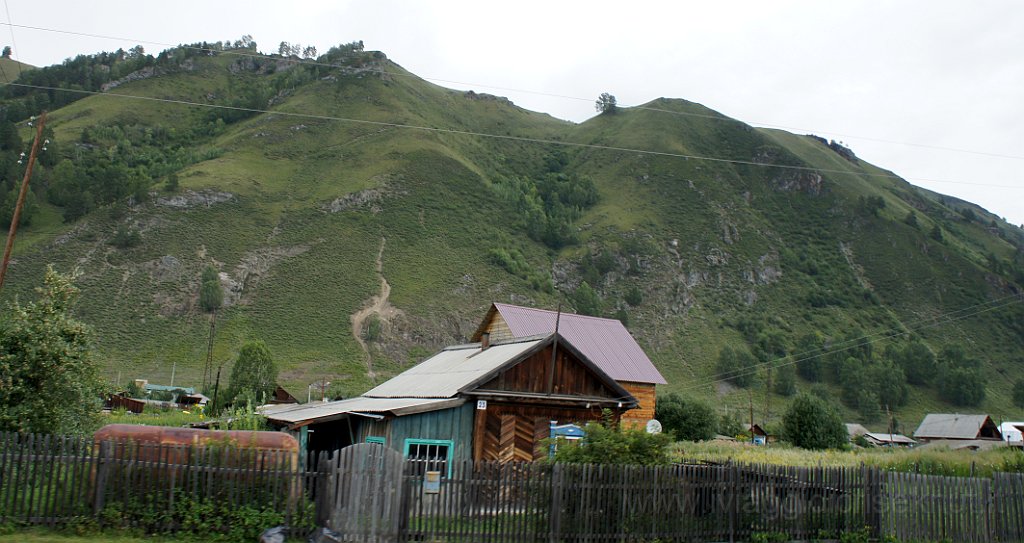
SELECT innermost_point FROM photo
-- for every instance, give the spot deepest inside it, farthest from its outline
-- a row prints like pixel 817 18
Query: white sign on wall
pixel 481 405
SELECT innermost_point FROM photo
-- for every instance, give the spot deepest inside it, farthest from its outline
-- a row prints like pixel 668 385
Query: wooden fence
pixel 578 503
pixel 371 494
pixel 51 480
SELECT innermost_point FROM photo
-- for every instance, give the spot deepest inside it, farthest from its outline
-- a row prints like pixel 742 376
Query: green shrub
pixel 373 328
pixel 634 296
pixel 686 419
pixel 784 379
pixel 810 423
pixel 609 444
pixel 737 366
pixel 126 238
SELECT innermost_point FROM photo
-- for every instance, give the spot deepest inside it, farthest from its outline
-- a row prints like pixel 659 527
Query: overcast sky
pixel 933 90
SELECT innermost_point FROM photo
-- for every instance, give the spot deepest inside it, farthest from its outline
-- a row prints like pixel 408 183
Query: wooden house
pixel 606 342
pixel 958 431
pixel 281 396
pixel 1013 433
pixel 880 439
pixel 482 401
pixel 758 436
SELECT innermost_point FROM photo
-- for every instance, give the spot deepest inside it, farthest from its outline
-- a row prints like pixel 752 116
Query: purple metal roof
pixel 606 342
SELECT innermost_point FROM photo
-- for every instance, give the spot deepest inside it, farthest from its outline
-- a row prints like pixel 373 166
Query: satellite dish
pixel 653 426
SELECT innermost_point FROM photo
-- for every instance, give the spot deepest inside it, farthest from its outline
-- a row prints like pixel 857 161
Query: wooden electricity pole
pixel 21 198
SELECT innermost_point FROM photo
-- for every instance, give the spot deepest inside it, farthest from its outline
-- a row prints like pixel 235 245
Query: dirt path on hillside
pixel 377 305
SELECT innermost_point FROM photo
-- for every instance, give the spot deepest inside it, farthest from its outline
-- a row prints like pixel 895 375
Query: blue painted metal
pixel 571 432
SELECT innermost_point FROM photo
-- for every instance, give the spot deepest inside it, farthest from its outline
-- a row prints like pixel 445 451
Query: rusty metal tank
pixel 164 435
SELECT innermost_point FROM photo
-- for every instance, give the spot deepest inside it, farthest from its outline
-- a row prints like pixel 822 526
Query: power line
pixel 497 136
pixel 754 369
pixel 311 62
pixel 904 329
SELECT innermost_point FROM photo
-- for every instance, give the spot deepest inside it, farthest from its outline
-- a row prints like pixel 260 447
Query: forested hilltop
pixel 357 218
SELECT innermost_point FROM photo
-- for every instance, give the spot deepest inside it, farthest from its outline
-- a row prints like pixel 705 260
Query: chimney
pixel 485 341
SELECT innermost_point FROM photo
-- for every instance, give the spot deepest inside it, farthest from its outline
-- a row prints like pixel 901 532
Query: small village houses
pixel 482 401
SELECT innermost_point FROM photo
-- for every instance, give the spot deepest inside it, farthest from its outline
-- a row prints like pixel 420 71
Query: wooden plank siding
pixel 644 393
pixel 498 329
pixel 455 424
pixel 532 375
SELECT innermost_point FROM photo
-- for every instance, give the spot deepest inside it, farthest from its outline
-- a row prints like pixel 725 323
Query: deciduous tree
pixel 48 378
pixel 605 103
pixel 811 423
pixel 211 294
pixel 686 419
pixel 254 375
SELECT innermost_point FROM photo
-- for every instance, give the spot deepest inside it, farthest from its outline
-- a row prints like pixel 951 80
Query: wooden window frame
pixel 409 442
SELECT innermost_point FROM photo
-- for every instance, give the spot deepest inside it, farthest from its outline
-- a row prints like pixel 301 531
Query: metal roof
pixel 951 426
pixel 448 372
pixel 606 342
pixel 323 411
pixel 890 438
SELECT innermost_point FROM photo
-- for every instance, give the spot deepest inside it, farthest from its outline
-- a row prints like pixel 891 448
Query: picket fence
pixel 369 495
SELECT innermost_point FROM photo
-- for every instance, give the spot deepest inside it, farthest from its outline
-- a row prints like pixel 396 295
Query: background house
pixel 879 439
pixel 483 401
pixel 959 431
pixel 605 342
pixel 1013 433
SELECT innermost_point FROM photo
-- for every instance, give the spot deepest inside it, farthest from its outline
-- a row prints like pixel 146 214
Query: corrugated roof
pixel 312 412
pixel 451 370
pixel 890 438
pixel 950 426
pixel 606 342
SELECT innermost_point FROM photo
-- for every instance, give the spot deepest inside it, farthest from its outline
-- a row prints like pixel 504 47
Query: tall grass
pixel 931 461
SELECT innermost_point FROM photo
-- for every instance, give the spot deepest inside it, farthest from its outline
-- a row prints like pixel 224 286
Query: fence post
pixel 733 500
pixel 872 496
pixel 324 497
pixel 555 513
pixel 103 462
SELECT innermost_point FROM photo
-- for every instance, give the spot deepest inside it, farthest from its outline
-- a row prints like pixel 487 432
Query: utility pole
pixel 208 372
pixel 750 398
pixel 554 352
pixel 21 198
pixel 768 396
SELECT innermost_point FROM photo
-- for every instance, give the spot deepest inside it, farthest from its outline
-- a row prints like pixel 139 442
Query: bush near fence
pixel 218 491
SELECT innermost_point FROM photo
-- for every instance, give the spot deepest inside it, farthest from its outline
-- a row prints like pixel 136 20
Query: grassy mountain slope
pixel 311 216
pixel 10 69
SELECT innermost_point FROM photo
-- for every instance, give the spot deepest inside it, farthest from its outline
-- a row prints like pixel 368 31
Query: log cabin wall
pixel 647 396
pixel 513 432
